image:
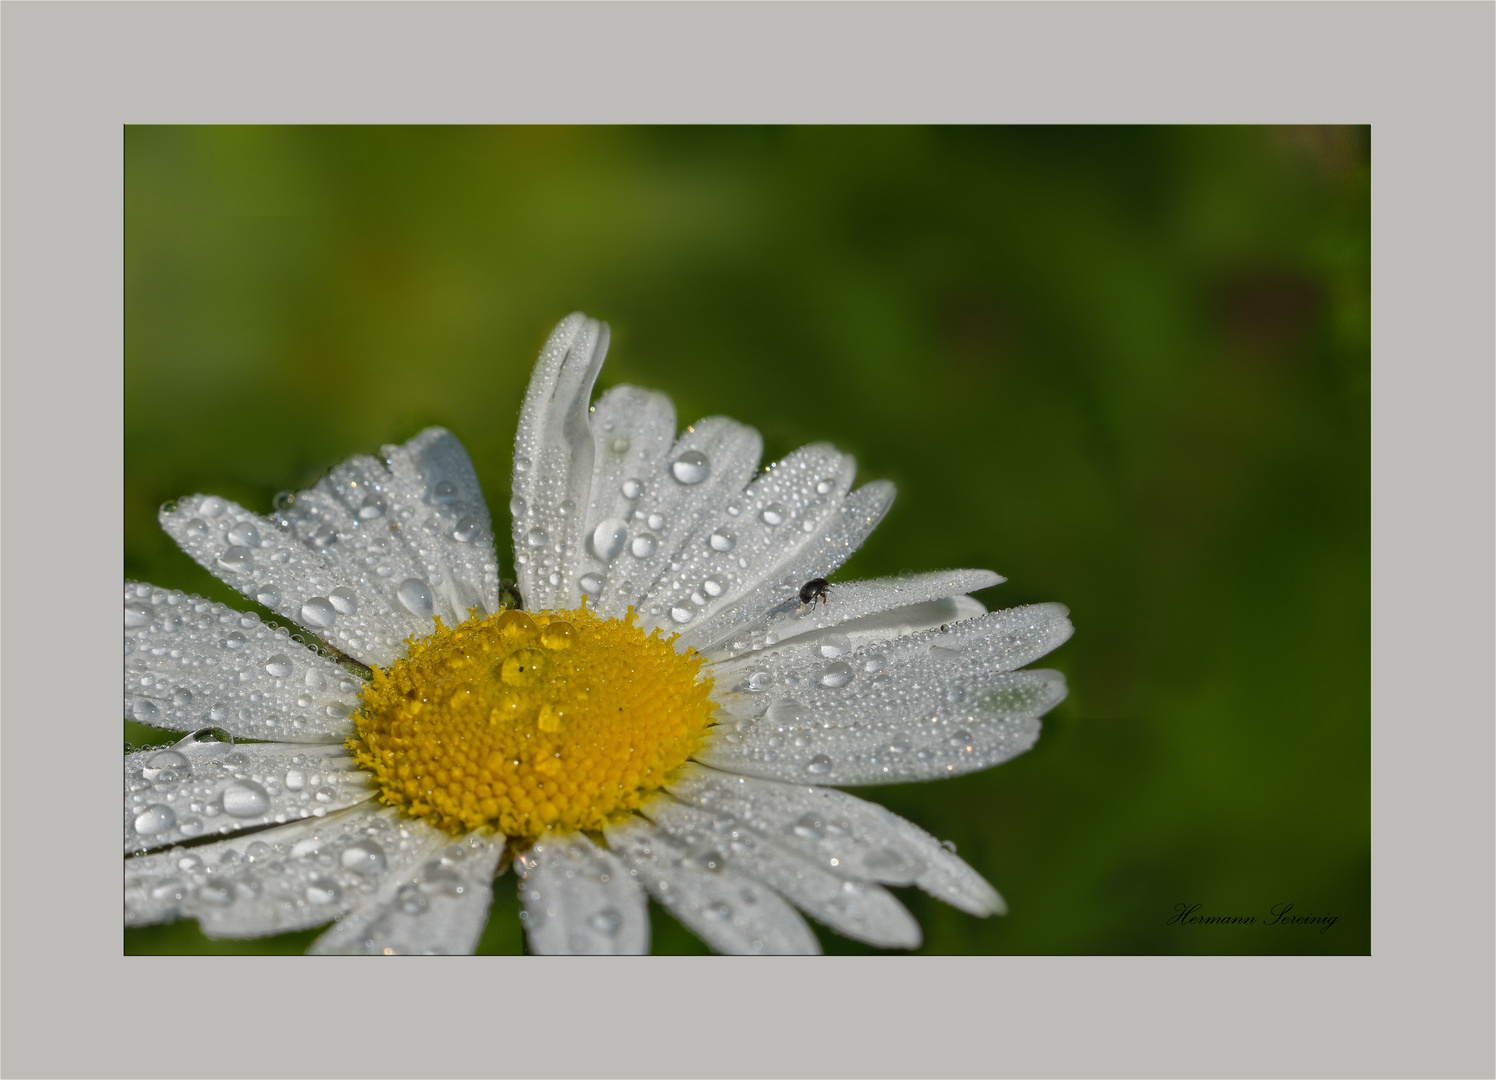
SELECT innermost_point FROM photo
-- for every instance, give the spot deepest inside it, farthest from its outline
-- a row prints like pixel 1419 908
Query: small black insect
pixel 815 589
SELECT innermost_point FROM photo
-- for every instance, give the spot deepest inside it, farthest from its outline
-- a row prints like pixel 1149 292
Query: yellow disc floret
pixel 529 721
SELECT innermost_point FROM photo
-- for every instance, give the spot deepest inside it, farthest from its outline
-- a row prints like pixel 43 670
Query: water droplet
pixel 517 506
pixel 955 694
pixel 558 636
pixel 343 599
pixel 467 530
pixel 823 487
pixel 444 492
pixel 268 597
pixel 607 921
pixel 245 798
pixel 722 540
pixel 211 507
pixel 442 881
pixel 137 615
pixel 325 536
pixel 838 674
pixel 760 680
pixel 323 890
pixel 521 464
pixel 682 614
pixel 145 711
pixel 279 665
pixel 374 506
pixel 411 900
pixel 325 795
pixel 364 857
pixel 236 558
pixel 874 663
pixel 900 745
pixel 155 819
pixel 632 489
pixel 522 668
pixel 819 765
pixel 339 710
pixel 318 611
pixel 234 640
pixel 197 529
pixel 691 467
pixel 962 740
pixel 295 780
pixel 808 827
pixel 785 711
pixel 535 538
pixel 773 514
pixel 608 539
pixel 833 645
pixel 712 586
pixel 416 597
pixel 642 546
pixel 244 534
pixel 163 762
pixel 655 522
pixel 216 892
pixel 591 584
pixel 181 696
pixel 719 911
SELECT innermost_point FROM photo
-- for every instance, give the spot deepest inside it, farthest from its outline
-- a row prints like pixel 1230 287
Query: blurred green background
pixel 1126 367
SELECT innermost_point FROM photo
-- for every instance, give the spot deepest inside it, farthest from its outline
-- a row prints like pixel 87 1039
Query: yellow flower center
pixel 529 721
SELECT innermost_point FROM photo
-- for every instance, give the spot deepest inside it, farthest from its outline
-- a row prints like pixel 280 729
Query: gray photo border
pixel 71 75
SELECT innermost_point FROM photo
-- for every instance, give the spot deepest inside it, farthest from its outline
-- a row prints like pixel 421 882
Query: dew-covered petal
pixel 894 733
pixel 854 908
pixel 852 837
pixel 878 608
pixel 775 589
pixel 192 789
pixel 440 909
pixel 191 664
pixel 731 913
pixel 677 508
pixel 287 878
pixel 553 453
pixel 580 900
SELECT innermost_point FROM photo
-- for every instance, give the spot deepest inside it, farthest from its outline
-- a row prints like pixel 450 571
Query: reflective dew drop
pixel 591 584
pixel 722 540
pixel 137 615
pixel 643 546
pixel 318 611
pixel 535 538
pixel 819 765
pixel 279 665
pixel 838 674
pixel 415 596
pixel 154 820
pixel 145 711
pixel 691 467
pixel 245 798
pixel 268 597
pixel 655 521
pixel 244 534
pixel 608 539
pixel 467 530
pixel 236 558
pixel 211 507
pixel 773 514
pixel 342 598
pixel 682 614
pixel 165 761
pixel 323 890
pixel 712 587
pixel 364 857
pixel 197 529
pixel 374 506
pixel 295 780
pixel 632 489
pixel 833 645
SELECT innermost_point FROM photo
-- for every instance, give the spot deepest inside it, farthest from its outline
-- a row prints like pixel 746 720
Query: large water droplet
pixel 211 507
pixel 374 506
pixel 197 529
pixel 773 514
pixel 819 765
pixel 632 489
pixel 279 665
pixel 535 538
pixel 145 711
pixel 325 536
pixel 517 506
pixel 808 827
pixel 181 696
pixel 823 487
pixel 155 819
pixel 444 492
pixel 655 521
pixel 722 540
pixel 785 711
pixel 955 694
pixel 838 674
pixel 295 780
pixel 216 892
pixel 343 599
pixel 161 763
pixel 712 587
pixel 268 597
pixel 691 467
pixel 467 530
pixel 591 584
pixel 642 546
pixel 682 614
pixel 245 798
pixel 244 534
pixel 411 900
pixel 323 890
pixel 235 640
pixel 236 558
pixel 415 595
pixel 364 857
pixel 760 680
pixel 318 611
pixel 137 615
pixel 833 645
pixel 608 539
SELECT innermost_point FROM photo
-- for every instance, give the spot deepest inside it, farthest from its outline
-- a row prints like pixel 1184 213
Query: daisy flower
pixel 662 704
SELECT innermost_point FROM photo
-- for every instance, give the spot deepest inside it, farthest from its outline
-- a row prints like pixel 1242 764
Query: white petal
pixel 580 900
pixel 777 590
pixel 289 878
pixel 854 908
pixel 671 517
pixel 365 558
pixel 192 789
pixel 907 729
pixel 883 607
pixel 553 454
pixel 191 664
pixel 851 837
pixel 729 912
pixel 441 908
